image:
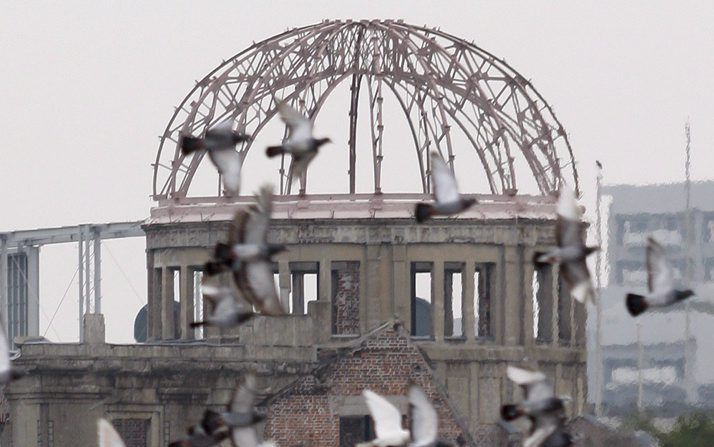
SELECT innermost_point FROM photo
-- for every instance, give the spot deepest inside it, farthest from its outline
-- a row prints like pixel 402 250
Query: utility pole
pixel 598 303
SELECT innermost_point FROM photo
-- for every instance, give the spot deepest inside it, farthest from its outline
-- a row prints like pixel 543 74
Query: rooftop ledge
pixel 349 206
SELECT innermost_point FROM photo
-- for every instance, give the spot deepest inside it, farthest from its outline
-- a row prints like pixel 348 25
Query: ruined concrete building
pixel 375 300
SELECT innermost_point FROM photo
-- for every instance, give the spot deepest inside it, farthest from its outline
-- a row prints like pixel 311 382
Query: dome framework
pixel 442 84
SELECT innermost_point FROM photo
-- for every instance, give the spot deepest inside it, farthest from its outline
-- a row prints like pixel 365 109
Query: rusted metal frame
pixel 354 103
pixel 375 102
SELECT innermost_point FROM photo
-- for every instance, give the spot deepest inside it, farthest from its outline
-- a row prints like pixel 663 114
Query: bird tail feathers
pixel 422 212
pixel 511 412
pixel 274 151
pixel 198 324
pixel 222 252
pixel 190 144
pixel 212 268
pixel 636 304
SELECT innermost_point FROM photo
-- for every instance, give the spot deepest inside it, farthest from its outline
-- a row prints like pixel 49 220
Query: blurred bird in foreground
pixel 545 411
pixel 571 251
pixel 301 145
pixel 108 437
pixel 660 283
pixel 220 142
pixel 205 434
pixel 7 372
pixel 226 310
pixel 448 201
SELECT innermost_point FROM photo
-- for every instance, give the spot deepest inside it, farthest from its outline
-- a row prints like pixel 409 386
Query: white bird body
pixel 425 421
pixel 226 312
pixel 387 421
pixel 447 199
pixel 108 437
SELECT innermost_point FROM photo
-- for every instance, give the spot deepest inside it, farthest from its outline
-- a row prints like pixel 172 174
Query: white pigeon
pixel 660 283
pixel 541 406
pixel 226 311
pixel 7 372
pixel 448 201
pixel 387 421
pixel 301 145
pixel 425 421
pixel 220 142
pixel 571 250
pixel 108 436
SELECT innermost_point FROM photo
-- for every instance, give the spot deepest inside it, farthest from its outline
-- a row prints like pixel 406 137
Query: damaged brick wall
pixel 345 299
pixel 308 413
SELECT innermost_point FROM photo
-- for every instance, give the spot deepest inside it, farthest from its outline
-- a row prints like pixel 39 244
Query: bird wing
pixel 108 436
pixel 228 163
pixel 224 127
pixel 244 437
pixel 4 351
pixel 521 376
pixel 445 188
pixel 225 306
pixel 577 277
pixel 244 396
pixel 659 273
pixel 540 390
pixel 300 126
pixel 568 233
pixel 257 278
pixel 387 418
pixel 568 205
pixel 256 228
pixel 424 418
pixel 236 232
pixel 539 434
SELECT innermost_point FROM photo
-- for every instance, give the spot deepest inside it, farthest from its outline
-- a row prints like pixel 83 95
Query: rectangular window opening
pixel 453 300
pixel 543 304
pixel 304 286
pixel 355 430
pixel 421 299
pixel 198 305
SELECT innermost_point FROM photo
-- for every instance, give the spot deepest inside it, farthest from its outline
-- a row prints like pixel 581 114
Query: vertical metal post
pixel 598 303
pixel 3 281
pixel 97 271
pixel 688 373
pixel 80 280
pixel 87 270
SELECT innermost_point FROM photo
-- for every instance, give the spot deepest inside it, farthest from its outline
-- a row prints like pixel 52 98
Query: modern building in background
pixel 660 361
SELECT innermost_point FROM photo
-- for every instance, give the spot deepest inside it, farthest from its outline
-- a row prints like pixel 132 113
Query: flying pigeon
pixel 254 277
pixel 300 144
pixel 241 417
pixel 571 250
pixel 446 193
pixel 7 372
pixel 205 434
pixel 545 411
pixel 227 312
pixel 387 421
pixel 660 283
pixel 219 142
pixel 108 436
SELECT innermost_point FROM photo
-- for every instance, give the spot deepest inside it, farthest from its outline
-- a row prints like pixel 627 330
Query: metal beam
pixel 62 235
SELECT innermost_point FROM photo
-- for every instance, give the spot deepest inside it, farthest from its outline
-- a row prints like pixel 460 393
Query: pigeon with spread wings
pixel 301 144
pixel 226 310
pixel 448 201
pixel 571 251
pixel 545 411
pixel 219 142
pixel 660 283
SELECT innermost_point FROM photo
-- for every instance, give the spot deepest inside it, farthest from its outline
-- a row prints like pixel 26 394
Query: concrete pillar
pixel 437 298
pixel 555 301
pixel 154 279
pixel 94 332
pixel 187 302
pixel 284 284
pixel 167 303
pixel 510 318
pixel 80 279
pixel 298 289
pixel 324 280
pixel 33 290
pixel 401 286
pixel 468 286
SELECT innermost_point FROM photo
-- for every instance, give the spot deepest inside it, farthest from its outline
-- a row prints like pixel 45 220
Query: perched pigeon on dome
pixel 226 310
pixel 220 142
pixel 660 283
pixel 545 411
pixel 301 144
pixel 448 201
pixel 571 251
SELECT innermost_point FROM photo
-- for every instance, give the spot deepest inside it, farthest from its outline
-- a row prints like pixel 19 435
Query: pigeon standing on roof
pixel 227 312
pixel 108 436
pixel 7 372
pixel 220 142
pixel 571 251
pixel 545 411
pixel 205 434
pixel 660 283
pixel 300 144
pixel 446 193
pixel 254 275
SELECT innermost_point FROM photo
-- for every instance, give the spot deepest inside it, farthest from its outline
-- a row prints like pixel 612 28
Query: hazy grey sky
pixel 88 86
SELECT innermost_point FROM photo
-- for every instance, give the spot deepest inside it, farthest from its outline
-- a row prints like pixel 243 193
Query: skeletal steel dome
pixel 443 84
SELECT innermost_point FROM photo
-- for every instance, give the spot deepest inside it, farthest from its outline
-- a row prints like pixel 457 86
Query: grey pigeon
pixel 241 417
pixel 571 250
pixel 545 411
pixel 301 145
pixel 226 311
pixel 220 142
pixel 205 434
pixel 448 201
pixel 660 283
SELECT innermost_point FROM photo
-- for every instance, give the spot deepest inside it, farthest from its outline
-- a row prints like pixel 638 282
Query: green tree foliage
pixel 693 430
